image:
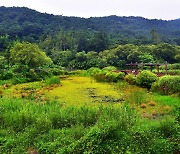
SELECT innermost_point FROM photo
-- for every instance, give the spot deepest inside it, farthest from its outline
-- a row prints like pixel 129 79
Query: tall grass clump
pixel 52 80
pixel 138 97
pixel 146 79
pixel 167 85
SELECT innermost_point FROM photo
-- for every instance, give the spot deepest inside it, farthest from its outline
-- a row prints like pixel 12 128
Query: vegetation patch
pixel 52 80
pixel 146 79
pixel 167 85
pixel 84 90
pixel 28 126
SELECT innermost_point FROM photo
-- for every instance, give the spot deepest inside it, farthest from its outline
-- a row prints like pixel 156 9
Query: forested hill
pixel 27 23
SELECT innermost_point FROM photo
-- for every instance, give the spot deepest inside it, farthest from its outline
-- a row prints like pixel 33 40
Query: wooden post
pixel 136 69
pixel 151 67
pixel 158 68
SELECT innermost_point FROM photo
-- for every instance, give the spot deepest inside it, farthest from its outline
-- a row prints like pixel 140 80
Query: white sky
pixel 159 9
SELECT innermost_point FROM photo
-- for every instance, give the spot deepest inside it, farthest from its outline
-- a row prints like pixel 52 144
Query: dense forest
pixel 80 43
pixel 31 25
pixel 94 42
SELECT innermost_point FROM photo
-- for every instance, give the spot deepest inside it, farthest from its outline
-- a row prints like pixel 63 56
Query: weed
pixel 52 80
pixel 138 97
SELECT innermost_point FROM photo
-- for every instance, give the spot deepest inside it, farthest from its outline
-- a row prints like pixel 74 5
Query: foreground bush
pixel 167 85
pixel 21 74
pixel 52 128
pixel 93 70
pixel 109 68
pixel 146 79
pixel 104 76
pixel 130 78
pixel 171 66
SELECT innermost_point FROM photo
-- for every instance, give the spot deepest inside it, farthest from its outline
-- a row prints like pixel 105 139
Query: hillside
pixel 24 22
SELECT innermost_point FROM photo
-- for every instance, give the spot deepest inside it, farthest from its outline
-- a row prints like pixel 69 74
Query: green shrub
pixel 104 76
pixel 109 68
pixel 93 70
pixel 146 79
pixel 78 72
pixel 114 77
pixel 52 80
pixel 17 80
pixel 57 71
pixel 174 72
pixel 171 71
pixel 167 85
pixel 32 75
pixel 130 78
pixel 100 76
pixel 171 66
pixel 6 75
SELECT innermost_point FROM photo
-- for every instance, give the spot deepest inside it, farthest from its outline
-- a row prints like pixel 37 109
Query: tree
pixel 165 52
pixel 5 43
pixel 134 57
pixel 100 42
pixel 155 37
pixel 146 58
pixel 28 54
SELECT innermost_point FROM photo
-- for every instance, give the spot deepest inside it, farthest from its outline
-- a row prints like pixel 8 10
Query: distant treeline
pixel 80 43
pixel 32 26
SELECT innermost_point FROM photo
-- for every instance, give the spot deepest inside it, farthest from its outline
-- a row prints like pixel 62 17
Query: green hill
pixel 27 23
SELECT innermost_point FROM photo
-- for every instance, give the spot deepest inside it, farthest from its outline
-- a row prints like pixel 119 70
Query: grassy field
pixel 80 115
pixel 85 91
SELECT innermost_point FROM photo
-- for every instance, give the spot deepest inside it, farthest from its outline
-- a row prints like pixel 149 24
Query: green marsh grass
pixel 52 128
pixel 52 80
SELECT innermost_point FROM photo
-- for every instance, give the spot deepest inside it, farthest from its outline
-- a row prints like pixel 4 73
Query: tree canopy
pixel 28 54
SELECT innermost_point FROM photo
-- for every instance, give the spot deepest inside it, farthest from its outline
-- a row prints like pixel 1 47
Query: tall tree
pixel 100 42
pixel 28 54
pixel 155 37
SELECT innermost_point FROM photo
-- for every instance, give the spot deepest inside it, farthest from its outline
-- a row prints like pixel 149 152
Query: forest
pixel 65 86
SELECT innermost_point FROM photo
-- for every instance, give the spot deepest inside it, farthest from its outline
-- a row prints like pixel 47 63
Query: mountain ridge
pixel 87 17
pixel 22 22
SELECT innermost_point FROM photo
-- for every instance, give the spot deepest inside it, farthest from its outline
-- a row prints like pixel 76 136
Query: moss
pixel 84 90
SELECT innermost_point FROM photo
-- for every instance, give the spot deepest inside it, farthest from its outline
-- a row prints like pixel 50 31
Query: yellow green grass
pixel 87 117
pixel 85 91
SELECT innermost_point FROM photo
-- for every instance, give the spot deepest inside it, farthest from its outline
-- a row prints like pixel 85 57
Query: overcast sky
pixel 152 9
